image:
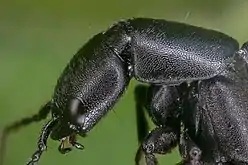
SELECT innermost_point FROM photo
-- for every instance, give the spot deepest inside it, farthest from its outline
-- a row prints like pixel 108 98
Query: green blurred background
pixel 37 38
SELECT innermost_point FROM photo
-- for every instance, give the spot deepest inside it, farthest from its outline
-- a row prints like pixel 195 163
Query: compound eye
pixel 74 105
pixel 76 112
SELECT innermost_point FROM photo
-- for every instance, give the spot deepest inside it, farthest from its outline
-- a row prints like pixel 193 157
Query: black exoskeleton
pixel 197 93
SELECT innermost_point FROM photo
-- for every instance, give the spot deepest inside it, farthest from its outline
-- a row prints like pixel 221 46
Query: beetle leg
pixel 42 141
pixel 141 101
pixel 142 123
pixel 161 104
pixel 160 141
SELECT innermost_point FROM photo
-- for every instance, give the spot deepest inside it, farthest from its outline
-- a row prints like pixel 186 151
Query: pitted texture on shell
pixel 170 52
pixel 222 106
pixel 96 77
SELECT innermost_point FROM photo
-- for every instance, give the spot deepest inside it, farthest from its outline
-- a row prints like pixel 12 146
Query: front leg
pixel 161 140
pixel 162 103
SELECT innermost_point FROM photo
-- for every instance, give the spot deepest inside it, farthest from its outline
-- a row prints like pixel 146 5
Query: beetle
pixel 194 89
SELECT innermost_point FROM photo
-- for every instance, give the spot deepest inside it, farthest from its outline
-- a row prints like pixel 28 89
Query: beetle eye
pixel 76 112
pixel 74 107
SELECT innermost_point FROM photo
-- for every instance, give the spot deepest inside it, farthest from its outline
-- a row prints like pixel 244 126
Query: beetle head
pixel 66 130
pixel 88 88
pixel 70 121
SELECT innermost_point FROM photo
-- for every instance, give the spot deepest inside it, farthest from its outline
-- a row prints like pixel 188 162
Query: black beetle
pixel 197 94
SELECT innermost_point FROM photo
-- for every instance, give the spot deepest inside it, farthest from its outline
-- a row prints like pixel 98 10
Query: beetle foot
pixel 68 143
pixel 160 141
pixel 195 156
